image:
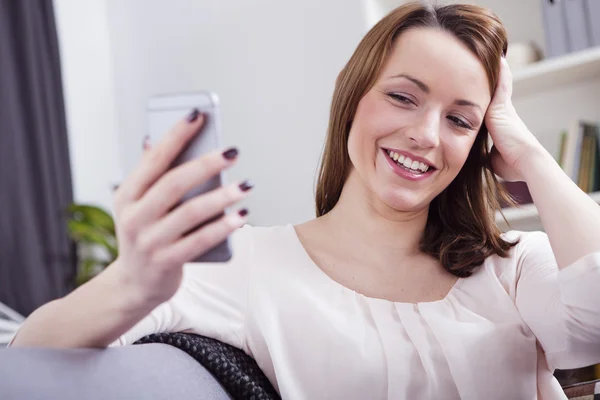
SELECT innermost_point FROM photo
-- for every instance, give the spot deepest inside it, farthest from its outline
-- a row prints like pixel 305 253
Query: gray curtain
pixel 37 260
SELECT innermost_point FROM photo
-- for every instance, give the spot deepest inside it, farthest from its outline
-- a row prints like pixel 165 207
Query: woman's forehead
pixel 440 60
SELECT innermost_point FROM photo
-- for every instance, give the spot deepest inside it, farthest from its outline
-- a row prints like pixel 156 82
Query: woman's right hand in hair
pixel 156 234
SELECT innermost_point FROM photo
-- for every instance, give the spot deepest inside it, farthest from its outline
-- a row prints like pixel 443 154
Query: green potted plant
pixel 93 230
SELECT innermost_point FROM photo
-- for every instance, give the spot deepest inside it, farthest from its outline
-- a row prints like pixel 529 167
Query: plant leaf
pixel 82 232
pixel 93 215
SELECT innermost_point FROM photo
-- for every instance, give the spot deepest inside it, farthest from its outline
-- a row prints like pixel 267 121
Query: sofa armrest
pixel 150 371
pixel 239 373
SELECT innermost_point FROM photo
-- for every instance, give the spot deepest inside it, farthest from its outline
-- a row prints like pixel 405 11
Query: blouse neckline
pixel 304 254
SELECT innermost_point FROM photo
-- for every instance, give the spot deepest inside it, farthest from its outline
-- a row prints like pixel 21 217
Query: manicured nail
pixel 230 154
pixel 243 212
pixel 146 142
pixel 246 185
pixel 193 115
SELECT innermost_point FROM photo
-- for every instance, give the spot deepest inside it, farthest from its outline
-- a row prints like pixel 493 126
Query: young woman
pixel 403 287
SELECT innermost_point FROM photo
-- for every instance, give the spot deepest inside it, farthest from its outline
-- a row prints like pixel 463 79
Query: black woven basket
pixel 237 372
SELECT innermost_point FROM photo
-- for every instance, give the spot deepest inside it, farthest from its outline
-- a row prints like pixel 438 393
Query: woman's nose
pixel 425 132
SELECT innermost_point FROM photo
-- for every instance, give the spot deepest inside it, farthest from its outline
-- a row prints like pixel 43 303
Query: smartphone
pixel 163 111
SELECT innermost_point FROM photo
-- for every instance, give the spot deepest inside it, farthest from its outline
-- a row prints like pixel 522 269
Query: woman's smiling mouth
pixel 408 168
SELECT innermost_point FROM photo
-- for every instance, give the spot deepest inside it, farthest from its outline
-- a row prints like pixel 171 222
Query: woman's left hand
pixel 513 142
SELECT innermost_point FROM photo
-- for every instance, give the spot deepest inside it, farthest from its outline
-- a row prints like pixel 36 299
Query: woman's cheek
pixel 457 150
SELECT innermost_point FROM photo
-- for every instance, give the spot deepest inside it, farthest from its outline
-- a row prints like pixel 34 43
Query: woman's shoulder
pixel 531 250
pixel 526 237
pixel 529 247
pixel 260 235
pixel 252 250
pixel 260 231
pixel 264 240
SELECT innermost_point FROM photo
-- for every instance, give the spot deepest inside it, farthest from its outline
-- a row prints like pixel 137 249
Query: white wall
pixel 273 64
pixel 521 18
pixel 89 99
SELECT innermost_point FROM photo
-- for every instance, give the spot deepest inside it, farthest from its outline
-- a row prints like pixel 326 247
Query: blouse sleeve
pixel 211 301
pixel 561 307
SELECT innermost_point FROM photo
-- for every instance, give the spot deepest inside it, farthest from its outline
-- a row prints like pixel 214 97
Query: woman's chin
pixel 404 201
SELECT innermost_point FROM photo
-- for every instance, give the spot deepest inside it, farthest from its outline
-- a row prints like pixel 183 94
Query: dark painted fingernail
pixel 246 185
pixel 193 115
pixel 146 142
pixel 230 154
pixel 243 212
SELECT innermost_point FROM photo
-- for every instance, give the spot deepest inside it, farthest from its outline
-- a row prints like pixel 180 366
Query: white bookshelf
pixel 560 71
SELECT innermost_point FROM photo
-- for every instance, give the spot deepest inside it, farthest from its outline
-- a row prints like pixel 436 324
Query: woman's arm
pixel 559 306
pixel 558 273
pixel 94 315
pixel 569 216
pixel 156 235
pixel 211 301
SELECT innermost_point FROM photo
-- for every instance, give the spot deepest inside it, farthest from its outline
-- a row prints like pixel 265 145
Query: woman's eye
pixel 459 122
pixel 400 98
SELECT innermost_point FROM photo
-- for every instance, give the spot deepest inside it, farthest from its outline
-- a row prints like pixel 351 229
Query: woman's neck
pixel 362 221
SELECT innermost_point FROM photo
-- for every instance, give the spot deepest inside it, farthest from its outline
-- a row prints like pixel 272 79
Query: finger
pixel 158 158
pixel 172 186
pixel 504 88
pixel 193 213
pixel 202 240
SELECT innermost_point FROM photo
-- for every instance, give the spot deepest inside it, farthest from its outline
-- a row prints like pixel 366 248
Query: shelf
pixel 526 216
pixel 558 71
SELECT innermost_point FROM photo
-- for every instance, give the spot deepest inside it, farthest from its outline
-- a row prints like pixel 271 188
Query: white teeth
pixel 407 162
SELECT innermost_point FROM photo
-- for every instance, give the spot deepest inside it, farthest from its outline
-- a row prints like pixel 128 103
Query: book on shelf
pixel 579 154
pixel 518 191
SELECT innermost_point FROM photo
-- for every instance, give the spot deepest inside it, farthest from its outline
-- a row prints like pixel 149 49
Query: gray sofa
pixel 146 371
pixel 153 371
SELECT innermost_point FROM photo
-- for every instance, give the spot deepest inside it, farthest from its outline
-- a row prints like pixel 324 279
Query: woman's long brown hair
pixel 461 230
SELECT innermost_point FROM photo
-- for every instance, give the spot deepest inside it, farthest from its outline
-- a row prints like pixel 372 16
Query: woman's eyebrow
pixel 423 86
pixel 414 80
pixel 462 102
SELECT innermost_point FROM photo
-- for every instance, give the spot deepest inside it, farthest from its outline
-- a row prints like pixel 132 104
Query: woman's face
pixel 413 130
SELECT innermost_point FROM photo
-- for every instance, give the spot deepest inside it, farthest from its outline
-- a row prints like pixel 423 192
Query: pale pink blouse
pixel 498 334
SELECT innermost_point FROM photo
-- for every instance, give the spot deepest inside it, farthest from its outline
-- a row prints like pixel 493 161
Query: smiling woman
pixel 385 90
pixel 403 287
